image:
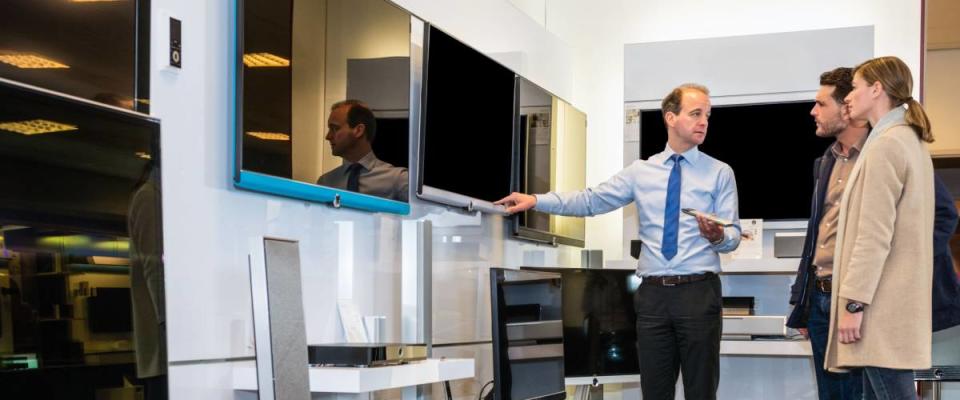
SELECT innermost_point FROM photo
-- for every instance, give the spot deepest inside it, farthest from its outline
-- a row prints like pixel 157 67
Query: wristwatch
pixel 854 307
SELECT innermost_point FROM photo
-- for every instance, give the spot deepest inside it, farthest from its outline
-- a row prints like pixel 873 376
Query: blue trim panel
pixel 320 194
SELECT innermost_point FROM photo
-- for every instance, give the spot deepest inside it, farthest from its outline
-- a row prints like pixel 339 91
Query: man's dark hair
pixel 842 81
pixel 357 114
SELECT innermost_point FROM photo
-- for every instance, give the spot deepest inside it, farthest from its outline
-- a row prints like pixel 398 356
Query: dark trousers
pixel 830 386
pixel 888 384
pixel 678 329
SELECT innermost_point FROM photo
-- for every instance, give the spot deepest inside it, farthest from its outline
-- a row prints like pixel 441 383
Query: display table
pixel 360 380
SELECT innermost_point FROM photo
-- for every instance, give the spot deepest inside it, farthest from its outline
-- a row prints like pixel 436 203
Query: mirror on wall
pixel 323 101
pixel 552 136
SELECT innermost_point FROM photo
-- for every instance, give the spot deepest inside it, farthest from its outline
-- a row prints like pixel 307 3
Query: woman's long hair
pixel 897 82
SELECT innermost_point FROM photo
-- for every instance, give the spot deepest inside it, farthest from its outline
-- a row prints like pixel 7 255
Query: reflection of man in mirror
pixel 146 284
pixel 351 131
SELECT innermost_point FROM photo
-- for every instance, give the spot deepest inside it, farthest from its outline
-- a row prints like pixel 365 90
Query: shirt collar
pixel 692 155
pixel 367 162
pixel 855 149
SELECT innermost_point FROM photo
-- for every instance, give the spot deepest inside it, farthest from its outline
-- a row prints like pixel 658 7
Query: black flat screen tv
pixel 466 142
pixel 771 148
pixel 599 321
pixel 75 164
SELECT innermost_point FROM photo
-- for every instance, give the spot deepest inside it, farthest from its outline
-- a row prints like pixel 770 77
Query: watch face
pixel 854 307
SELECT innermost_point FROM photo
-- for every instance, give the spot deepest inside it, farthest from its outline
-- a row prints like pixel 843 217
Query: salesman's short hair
pixel 672 103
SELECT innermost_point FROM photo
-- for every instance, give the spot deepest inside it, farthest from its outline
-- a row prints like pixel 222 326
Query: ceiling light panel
pixel 269 135
pixel 31 61
pixel 36 127
pixel 263 60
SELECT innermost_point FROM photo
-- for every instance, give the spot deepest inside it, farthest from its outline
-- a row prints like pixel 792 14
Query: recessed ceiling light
pixel 30 61
pixel 258 60
pixel 269 135
pixel 36 127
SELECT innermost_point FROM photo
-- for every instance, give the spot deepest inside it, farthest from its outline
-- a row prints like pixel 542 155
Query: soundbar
pixel 365 354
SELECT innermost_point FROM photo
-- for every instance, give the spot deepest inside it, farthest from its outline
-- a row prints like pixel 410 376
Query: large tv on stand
pixel 599 321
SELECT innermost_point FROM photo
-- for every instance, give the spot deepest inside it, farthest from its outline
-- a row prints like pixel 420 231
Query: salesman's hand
pixel 849 326
pixel 710 230
pixel 517 202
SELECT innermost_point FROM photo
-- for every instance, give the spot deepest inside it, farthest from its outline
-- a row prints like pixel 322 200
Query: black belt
pixel 673 280
pixel 824 284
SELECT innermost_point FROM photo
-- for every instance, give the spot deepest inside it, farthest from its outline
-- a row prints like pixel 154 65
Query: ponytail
pixel 897 82
pixel 917 118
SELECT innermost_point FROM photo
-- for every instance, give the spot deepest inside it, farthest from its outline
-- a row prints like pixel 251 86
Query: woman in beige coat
pixel 881 317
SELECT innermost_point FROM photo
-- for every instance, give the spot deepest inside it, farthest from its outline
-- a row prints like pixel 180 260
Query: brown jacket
pixel 884 252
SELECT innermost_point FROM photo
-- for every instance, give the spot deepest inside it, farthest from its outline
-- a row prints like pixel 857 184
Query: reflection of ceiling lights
pixel 269 135
pixel 257 60
pixel 36 127
pixel 144 155
pixel 30 61
pixel 94 1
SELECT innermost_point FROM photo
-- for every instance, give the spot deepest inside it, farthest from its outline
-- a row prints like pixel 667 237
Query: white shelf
pixel 760 266
pixel 360 380
pixel 785 348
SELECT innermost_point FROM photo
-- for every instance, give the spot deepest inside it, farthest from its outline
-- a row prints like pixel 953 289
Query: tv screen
pixel 599 321
pixel 771 148
pixel 392 141
pixel 551 157
pixel 75 164
pixel 467 137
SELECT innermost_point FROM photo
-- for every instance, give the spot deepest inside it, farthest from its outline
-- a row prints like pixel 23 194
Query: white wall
pixel 208 224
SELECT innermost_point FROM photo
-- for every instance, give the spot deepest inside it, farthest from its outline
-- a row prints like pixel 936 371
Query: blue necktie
pixel 671 213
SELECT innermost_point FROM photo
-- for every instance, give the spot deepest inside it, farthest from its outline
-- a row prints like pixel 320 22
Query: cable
pixel 446 389
pixel 480 395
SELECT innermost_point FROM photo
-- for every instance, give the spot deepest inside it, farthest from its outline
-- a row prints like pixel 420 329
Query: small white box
pixel 765 325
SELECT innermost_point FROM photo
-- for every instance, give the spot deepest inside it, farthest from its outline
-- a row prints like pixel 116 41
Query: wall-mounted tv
pixel 771 148
pixel 74 164
pixel 551 137
pixel 466 140
pixel 599 321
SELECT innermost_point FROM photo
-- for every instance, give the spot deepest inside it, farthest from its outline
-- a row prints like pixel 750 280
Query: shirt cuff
pixel 730 242
pixel 546 202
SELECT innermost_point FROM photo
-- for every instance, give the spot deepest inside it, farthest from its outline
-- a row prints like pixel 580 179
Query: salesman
pixel 678 302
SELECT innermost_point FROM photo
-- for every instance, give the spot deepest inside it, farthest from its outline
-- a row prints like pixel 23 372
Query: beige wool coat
pixel 884 252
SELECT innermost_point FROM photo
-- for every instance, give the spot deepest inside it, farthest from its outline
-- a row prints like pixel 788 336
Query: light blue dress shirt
pixel 707 185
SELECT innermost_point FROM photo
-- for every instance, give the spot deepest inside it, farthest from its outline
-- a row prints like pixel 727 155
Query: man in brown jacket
pixel 881 309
